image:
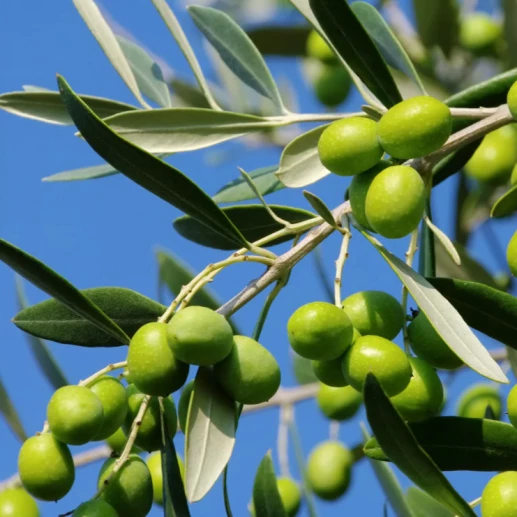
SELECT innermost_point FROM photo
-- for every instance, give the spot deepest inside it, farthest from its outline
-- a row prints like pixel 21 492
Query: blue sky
pixel 104 233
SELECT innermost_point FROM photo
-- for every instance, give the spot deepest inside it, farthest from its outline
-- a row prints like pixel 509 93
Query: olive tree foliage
pixel 387 60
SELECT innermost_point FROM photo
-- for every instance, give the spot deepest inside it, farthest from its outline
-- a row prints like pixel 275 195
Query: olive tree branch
pixel 103 371
pixel 340 262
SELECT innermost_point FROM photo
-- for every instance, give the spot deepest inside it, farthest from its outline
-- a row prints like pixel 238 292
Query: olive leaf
pixel 266 498
pixel 10 414
pixel 423 505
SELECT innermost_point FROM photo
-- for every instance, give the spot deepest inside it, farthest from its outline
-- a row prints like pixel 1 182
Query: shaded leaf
pixel 320 207
pixel 149 172
pixel 266 498
pixel 85 173
pixel 454 163
pixel 48 107
pixel 189 94
pixel 400 444
pixel 280 40
pixel 39 348
pixel 53 320
pixel 353 43
pixel 253 221
pixel 324 278
pixel 512 359
pixel 11 415
pixel 210 435
pixel 62 290
pixel 427 252
pixel 510 22
pixel 506 204
pixel 302 369
pixel 423 505
pixel 237 51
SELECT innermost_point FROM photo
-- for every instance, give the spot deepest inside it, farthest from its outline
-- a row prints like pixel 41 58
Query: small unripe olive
pixel 154 463
pixel 374 313
pixel 474 401
pixel 511 254
pixel 183 405
pixel 480 33
pixel 329 470
pixel 427 344
pixel 319 49
pixel 511 99
pixel 423 397
pixel 250 374
pixel 338 403
pixel 350 146
pixel 494 159
pixel 75 415
pixel 382 358
pixel 415 127
pixel 499 497
pixel 95 508
pixel 512 406
pixel 332 85
pixel 55 479
pixel 395 201
pixel 149 436
pixel 320 331
pixel 152 365
pixel 198 335
pixel 130 491
pixel 118 440
pixel 358 189
pixel 16 502
pixel 112 395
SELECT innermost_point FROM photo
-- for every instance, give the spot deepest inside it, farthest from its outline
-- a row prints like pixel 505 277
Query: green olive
pixel 154 463
pixel 512 406
pixel 75 415
pixel 332 85
pixel 499 498
pixel 152 365
pixel 329 470
pixel 16 502
pixel 511 254
pixel 318 48
pixel 95 508
pixel 427 344
pixel 198 335
pixel 480 33
pixel 423 397
pixel 350 146
pixel 415 127
pixel 250 374
pixel 474 401
pixel 395 201
pixel 130 491
pixel 112 395
pixel 55 480
pixel 319 331
pixel 382 358
pixel 511 99
pixel 338 403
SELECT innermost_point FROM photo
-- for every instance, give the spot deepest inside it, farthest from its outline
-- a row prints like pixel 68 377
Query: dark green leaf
pixel 54 321
pixel 506 204
pixel 226 495
pixel 253 221
pixel 237 50
pixel 512 359
pixel 237 190
pixel 280 40
pixel 510 22
pixel 147 171
pixel 49 107
pixel 40 349
pixel 423 505
pixel 189 94
pixel 353 43
pixel 387 43
pixel 56 286
pixel 266 498
pixel 488 310
pixel 427 257
pixel 453 163
pixel 10 414
pixel 457 443
pixel 401 446
pixel 437 23
pixel 320 207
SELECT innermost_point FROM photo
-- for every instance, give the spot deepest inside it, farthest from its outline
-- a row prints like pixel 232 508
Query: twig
pixel 334 430
pixel 340 262
pixel 100 373
pixel 286 415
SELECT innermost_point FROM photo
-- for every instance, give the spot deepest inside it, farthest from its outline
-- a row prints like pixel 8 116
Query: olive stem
pixel 334 430
pixel 410 255
pixel 475 502
pixel 340 262
pixel 101 372
pixel 473 113
pixel 282 444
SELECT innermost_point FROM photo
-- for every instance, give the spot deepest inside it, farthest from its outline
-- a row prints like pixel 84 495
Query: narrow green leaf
pixel 253 221
pixel 237 51
pixel 226 494
pixel 188 94
pixel 280 40
pixel 400 444
pixel 266 498
pixel 85 173
pixel 458 443
pixel 320 207
pixel 427 252
pixel 485 308
pixel 181 39
pixel 355 46
pixel 147 72
pixel 105 37
pixel 445 319
pixel 56 286
pixel 184 129
pixel 10 414
pixel 511 354
pixel 40 349
pixel 454 163
pixel 506 204
pixel 55 321
pixel 423 505
pixel 445 241
pixel 210 435
pixel 387 43
pixel 238 190
pixel 389 483
pixel 48 106
pixel 510 22
pixel 150 172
